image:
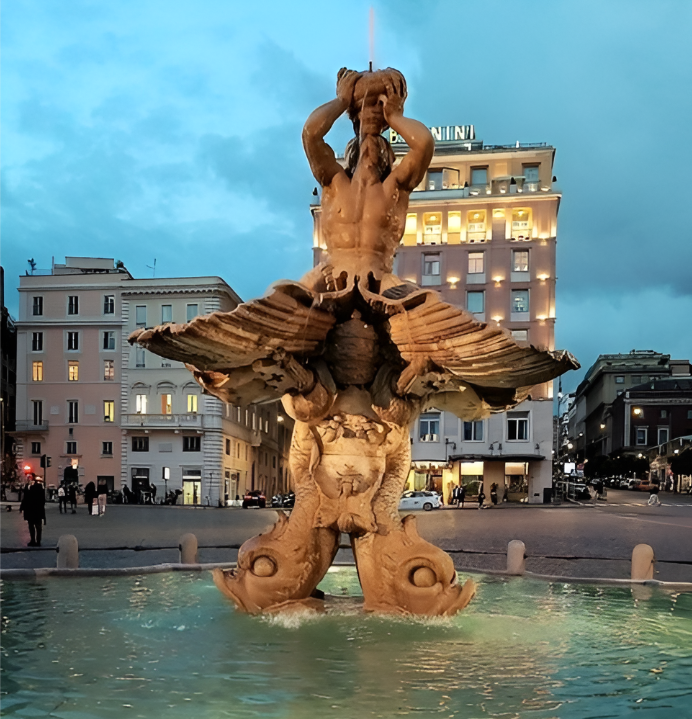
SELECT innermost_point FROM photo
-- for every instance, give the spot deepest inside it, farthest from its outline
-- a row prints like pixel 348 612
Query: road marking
pixel 639 518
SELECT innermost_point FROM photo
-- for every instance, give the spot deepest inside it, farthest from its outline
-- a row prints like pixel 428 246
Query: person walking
pixel 102 496
pixel 62 499
pixel 462 497
pixel 71 492
pixel 34 507
pixel 481 497
pixel 89 495
pixel 455 496
pixel 654 501
pixel 493 492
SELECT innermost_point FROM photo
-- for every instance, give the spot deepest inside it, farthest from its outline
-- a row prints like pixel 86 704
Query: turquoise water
pixel 170 645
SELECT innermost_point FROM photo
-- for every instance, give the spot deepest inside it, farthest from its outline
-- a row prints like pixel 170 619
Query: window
pixel 520 335
pixel 139 356
pixel 664 413
pixel 38 306
pixel 70 448
pixel 166 313
pixel 431 269
pixel 475 221
pixel 192 403
pixel 72 411
pixel 531 173
pixel 476 263
pixel 641 436
pixel 73 341
pixel 266 426
pixel 166 404
pixel 228 447
pixel 662 435
pixel 37 406
pixel 429 427
pixel 141 404
pixel 108 410
pixel 475 302
pixel 432 228
pixel 479 176
pixel 108 370
pixel 620 379
pixel 73 305
pixel 473 431
pixel 109 340
pixel 192 312
pixel 192 444
pixel 140 444
pixel 141 316
pixel 636 379
pixel 37 341
pixel 108 306
pixel 520 300
pixel 689 414
pixel 35 448
pixel 107 448
pixel 37 371
pixel 520 260
pixel 521 220
pixel 517 426
pixel 72 371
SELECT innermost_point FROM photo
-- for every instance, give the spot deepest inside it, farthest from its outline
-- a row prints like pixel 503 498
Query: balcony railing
pixel 192 421
pixel 478 192
pixel 27 425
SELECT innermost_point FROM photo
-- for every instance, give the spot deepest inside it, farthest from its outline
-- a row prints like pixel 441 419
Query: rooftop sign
pixel 442 133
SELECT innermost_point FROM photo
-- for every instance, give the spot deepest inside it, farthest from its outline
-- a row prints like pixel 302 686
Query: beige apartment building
pixel 481 229
pixel 104 410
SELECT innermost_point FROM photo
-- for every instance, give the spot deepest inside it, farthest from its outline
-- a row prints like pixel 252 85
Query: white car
pixel 420 500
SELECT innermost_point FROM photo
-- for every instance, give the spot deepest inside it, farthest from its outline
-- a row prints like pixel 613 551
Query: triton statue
pixel 355 354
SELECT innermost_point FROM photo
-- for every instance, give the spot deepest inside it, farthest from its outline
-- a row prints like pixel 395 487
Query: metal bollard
pixel 642 563
pixel 68 552
pixel 188 549
pixel 516 559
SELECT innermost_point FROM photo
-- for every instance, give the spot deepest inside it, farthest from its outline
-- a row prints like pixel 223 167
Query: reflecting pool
pixel 171 645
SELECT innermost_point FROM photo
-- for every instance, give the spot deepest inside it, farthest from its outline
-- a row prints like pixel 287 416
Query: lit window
pixel 473 431
pixel 192 403
pixel 141 404
pixel 520 260
pixel 70 448
pixel 141 316
pixel 520 335
pixel 166 404
pixel 429 427
pixel 73 341
pixel 109 304
pixel 37 341
pixel 140 444
pixel 72 371
pixel 192 444
pixel 475 302
pixel 479 176
pixel 38 306
pixel 37 371
pixel 476 220
pixel 109 340
pixel 620 379
pixel 432 228
pixel 107 448
pixel 108 370
pixel 35 448
pixel 520 300
pixel 517 426
pixel 73 305
pixel 166 313
pixel 521 219
pixel 108 410
pixel 192 312
pixel 476 263
pixel 73 411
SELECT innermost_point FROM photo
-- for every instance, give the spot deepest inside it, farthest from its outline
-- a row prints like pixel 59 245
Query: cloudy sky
pixel 169 130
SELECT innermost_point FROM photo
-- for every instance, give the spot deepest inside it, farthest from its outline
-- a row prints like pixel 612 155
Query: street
pixel 568 540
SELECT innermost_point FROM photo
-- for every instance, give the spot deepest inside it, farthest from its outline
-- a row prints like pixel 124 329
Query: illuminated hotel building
pixel 481 230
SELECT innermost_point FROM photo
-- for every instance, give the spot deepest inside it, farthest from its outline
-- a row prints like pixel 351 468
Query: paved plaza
pixel 572 540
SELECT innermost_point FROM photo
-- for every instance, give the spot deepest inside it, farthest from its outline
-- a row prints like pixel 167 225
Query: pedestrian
pixel 455 495
pixel 654 501
pixel 462 496
pixel 481 497
pixel 34 507
pixel 89 494
pixel 102 496
pixel 153 493
pixel 62 499
pixel 493 492
pixel 72 498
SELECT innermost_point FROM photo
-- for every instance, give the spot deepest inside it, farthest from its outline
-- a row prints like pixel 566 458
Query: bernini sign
pixel 443 133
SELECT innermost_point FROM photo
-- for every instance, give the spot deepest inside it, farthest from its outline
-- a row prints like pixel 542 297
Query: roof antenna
pixel 153 268
pixel 372 36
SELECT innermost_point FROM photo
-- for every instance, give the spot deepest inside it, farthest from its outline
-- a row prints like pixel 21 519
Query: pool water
pixel 171 645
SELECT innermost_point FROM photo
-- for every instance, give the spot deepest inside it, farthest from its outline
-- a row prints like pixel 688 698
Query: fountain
pixel 355 354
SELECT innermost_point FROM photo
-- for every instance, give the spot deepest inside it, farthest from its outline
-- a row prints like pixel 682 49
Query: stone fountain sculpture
pixel 355 354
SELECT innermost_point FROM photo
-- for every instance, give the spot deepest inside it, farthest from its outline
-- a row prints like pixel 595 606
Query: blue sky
pixel 170 130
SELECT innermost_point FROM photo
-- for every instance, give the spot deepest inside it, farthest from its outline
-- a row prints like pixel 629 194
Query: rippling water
pixel 170 645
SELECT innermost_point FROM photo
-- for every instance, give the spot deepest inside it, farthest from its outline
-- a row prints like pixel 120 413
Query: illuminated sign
pixel 442 133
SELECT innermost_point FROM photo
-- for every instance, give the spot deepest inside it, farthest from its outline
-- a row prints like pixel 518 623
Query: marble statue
pixel 355 354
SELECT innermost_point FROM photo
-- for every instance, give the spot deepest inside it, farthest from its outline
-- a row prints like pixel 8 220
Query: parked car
pixel 254 498
pixel 644 485
pixel 285 501
pixel 420 500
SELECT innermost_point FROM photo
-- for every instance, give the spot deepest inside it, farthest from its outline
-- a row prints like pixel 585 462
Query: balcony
pixel 494 189
pixel 162 421
pixel 26 425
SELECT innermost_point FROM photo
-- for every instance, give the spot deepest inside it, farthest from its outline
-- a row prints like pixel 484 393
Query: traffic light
pixel 47 461
pixel 43 461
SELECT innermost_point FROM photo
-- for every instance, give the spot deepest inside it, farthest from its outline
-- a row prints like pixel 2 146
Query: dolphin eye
pixel 423 577
pixel 263 567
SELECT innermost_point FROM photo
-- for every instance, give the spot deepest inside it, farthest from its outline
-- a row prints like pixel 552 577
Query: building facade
pixel 481 230
pixel 106 411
